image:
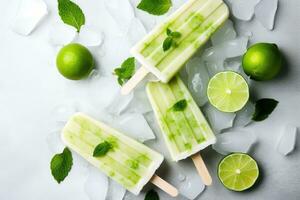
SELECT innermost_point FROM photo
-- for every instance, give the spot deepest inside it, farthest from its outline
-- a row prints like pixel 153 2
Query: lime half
pixel 228 91
pixel 238 171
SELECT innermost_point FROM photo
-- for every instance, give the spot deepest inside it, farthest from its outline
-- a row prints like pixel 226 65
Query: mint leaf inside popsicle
pixel 61 164
pixel 155 7
pixel 170 40
pixel 263 108
pixel 102 149
pixel 71 14
pixel 180 105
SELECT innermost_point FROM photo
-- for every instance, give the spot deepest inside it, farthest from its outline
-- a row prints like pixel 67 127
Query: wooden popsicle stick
pixel 202 169
pixel 164 185
pixel 134 80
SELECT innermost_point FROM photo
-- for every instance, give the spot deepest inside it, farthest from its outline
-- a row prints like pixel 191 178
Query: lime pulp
pixel 238 171
pixel 228 91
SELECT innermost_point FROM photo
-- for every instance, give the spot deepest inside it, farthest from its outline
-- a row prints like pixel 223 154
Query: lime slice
pixel 228 91
pixel 238 171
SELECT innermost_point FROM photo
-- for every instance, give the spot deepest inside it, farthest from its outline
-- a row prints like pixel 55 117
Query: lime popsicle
pixel 129 162
pixel 184 128
pixel 196 21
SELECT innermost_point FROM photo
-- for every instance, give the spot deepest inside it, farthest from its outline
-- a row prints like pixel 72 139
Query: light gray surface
pixel 30 87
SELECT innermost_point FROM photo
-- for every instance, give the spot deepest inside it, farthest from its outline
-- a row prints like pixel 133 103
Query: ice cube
pixel 140 103
pixel 135 126
pixel 60 34
pixel 229 49
pixel 217 119
pixel 225 33
pixel 121 12
pixel 89 36
pixel 243 9
pixel 61 113
pixel 30 13
pixel 197 79
pixel 287 140
pixel 96 185
pixel 265 12
pixel 54 141
pixel 234 141
pixel 214 67
pixel 115 191
pixel 136 31
pixel 233 64
pixel 244 116
pixel 146 19
pixel 181 177
pixel 119 103
pixel 191 187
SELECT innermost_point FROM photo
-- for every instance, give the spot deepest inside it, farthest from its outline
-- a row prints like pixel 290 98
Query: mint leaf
pixel 61 164
pixel 167 43
pixel 102 149
pixel 180 105
pixel 175 34
pixel 151 195
pixel 170 40
pixel 155 7
pixel 125 71
pixel 263 108
pixel 71 14
pixel 169 32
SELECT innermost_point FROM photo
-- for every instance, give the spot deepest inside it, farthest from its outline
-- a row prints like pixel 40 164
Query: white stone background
pixel 31 87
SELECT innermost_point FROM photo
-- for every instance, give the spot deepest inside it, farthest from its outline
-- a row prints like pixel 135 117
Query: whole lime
pixel 74 61
pixel 262 61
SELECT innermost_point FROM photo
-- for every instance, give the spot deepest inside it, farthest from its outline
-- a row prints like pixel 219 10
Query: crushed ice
pixel 197 79
pixel 218 120
pixel 115 191
pixel 225 33
pixel 89 36
pixel 122 12
pixel 244 116
pixel 136 31
pixel 265 12
pixel 243 9
pixel 135 126
pixel 30 13
pixel 287 140
pixel 60 34
pixel 96 185
pixel 234 141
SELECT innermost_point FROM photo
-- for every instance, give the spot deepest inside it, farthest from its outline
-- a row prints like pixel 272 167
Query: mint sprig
pixel 263 108
pixel 179 105
pixel 171 39
pixel 71 14
pixel 155 7
pixel 125 71
pixel 102 149
pixel 151 195
pixel 61 164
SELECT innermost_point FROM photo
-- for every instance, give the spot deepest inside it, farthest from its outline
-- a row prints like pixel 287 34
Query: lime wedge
pixel 238 171
pixel 228 91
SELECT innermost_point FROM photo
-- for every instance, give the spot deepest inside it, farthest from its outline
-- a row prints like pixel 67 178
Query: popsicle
pixel 128 162
pixel 184 128
pixel 195 21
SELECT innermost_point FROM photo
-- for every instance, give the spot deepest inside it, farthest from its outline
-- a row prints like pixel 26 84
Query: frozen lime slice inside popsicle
pixel 195 22
pixel 183 125
pixel 128 162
